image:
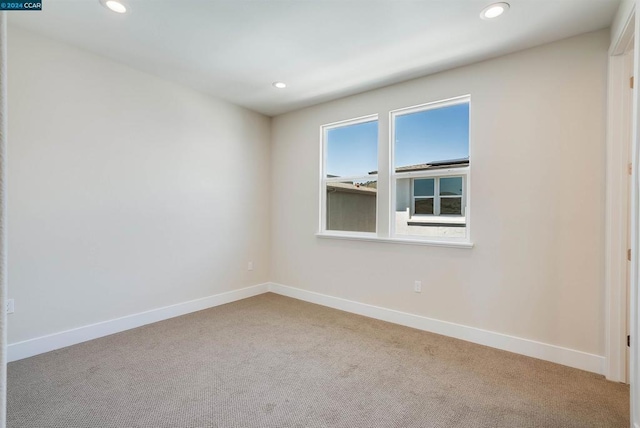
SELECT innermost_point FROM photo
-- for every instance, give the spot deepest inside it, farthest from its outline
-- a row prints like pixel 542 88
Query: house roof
pixel 449 163
pixel 352 188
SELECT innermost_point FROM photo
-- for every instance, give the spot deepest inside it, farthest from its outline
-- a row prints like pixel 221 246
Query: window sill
pixel 373 238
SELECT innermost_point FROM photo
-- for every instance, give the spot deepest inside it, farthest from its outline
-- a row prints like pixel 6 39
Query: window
pixel 438 196
pixel 430 173
pixel 349 176
pixel 424 196
pixel 450 196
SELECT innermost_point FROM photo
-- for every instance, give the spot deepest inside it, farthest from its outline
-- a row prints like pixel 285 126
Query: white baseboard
pixel 543 351
pixel 556 354
pixel 39 345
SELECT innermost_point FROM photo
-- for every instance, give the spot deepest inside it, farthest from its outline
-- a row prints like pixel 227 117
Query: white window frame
pixel 324 180
pixel 387 200
pixel 394 176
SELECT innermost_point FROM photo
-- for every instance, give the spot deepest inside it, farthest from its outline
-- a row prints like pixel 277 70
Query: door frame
pixel 617 202
pixel 625 28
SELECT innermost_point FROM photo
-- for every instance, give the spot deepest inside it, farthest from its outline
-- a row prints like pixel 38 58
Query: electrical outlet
pixel 10 306
pixel 417 286
pixel 250 266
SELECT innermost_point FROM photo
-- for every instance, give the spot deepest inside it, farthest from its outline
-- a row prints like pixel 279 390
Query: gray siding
pixel 351 211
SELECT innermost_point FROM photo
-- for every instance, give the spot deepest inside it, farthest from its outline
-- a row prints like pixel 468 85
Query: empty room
pixel 319 213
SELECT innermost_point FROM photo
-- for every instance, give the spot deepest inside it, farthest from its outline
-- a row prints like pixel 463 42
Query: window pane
pixel 352 150
pixel 451 186
pixel 351 206
pixel 451 206
pixel 424 206
pixel 434 138
pixel 423 187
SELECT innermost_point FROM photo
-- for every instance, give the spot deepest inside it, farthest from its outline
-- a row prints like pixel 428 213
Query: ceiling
pixel 322 49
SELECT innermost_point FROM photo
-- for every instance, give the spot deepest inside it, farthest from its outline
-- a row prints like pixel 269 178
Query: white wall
pixel 537 195
pixel 126 192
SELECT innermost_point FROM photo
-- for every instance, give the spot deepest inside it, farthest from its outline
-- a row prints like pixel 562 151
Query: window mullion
pixel 412 197
pixel 436 197
pixel 463 201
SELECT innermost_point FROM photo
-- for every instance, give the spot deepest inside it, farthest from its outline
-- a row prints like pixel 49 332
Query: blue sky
pixel 432 135
pixel 421 137
pixel 353 149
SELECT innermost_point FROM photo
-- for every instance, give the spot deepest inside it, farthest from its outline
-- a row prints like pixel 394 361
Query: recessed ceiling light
pixel 280 85
pixel 114 5
pixel 494 10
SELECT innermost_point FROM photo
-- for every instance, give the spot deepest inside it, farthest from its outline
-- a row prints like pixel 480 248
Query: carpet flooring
pixel 271 361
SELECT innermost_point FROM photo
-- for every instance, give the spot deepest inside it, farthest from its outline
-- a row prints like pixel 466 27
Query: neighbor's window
pixel 430 172
pixel 349 176
pixel 438 195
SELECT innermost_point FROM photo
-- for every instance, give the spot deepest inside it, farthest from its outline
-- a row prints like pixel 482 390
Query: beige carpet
pixel 271 361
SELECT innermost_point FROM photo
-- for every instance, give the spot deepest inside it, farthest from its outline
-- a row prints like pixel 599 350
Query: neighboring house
pixel 441 195
pixel 351 206
pixel 434 205
pixel 431 206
